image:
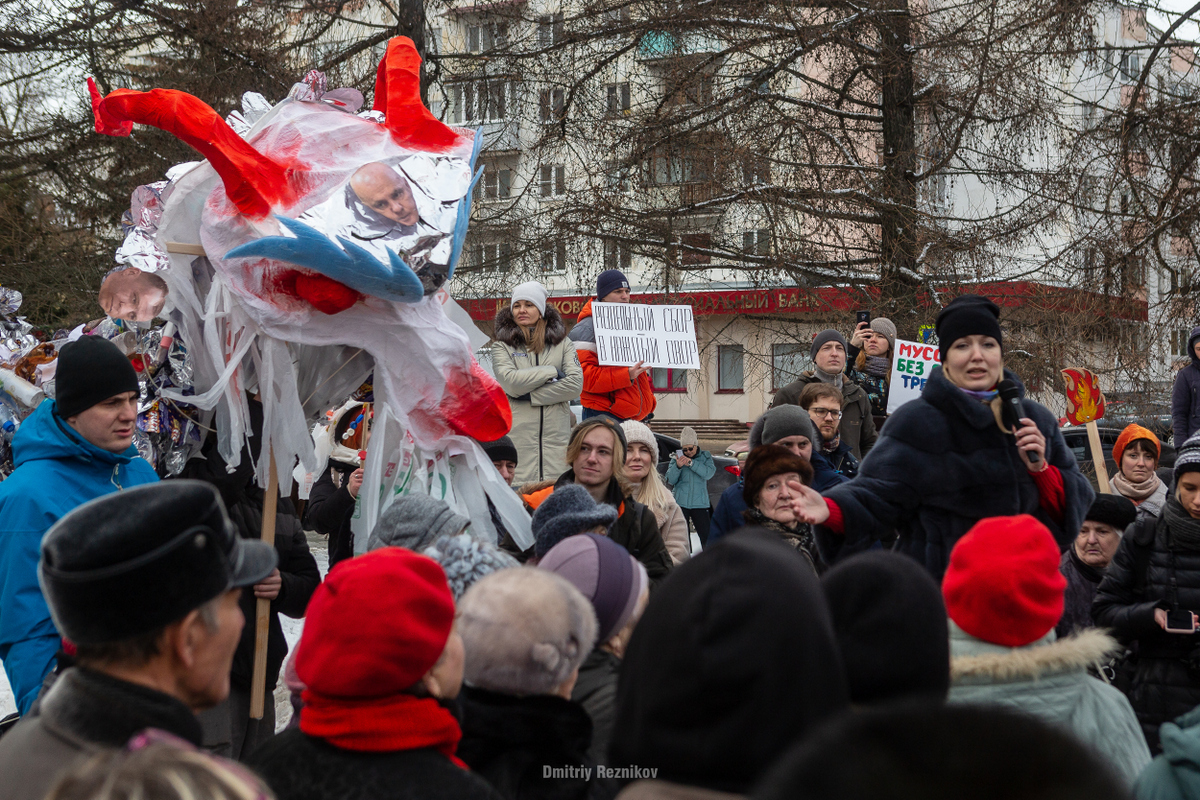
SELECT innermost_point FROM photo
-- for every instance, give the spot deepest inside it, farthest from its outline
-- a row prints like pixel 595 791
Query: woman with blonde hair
pixel 647 487
pixel 536 365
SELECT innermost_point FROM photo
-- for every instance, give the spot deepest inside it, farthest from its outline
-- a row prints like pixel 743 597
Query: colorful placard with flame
pixel 1085 401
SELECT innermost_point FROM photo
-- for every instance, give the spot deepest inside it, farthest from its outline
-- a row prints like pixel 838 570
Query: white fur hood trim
pixel 1006 664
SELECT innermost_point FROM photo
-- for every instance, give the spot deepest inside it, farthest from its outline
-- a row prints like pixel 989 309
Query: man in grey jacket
pixel 145 583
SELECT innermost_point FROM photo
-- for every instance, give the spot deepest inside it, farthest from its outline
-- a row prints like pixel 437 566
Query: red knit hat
pixel 1131 434
pixel 1003 585
pixel 375 626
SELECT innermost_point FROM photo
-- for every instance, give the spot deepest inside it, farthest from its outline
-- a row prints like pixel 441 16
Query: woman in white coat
pixel 536 365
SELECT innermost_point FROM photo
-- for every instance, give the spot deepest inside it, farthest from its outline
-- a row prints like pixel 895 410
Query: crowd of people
pixel 920 608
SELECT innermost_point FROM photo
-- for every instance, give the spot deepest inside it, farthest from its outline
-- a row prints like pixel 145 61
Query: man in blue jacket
pixel 68 451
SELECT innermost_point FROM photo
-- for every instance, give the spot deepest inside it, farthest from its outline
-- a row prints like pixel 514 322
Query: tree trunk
pixel 410 22
pixel 898 192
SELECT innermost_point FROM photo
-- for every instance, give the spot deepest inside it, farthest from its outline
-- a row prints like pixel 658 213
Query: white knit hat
pixel 688 437
pixel 637 432
pixel 532 291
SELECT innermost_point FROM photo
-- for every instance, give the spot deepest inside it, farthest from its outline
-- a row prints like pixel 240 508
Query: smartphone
pixel 1180 622
pixel 861 316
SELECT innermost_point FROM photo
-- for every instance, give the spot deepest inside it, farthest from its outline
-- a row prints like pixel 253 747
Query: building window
pixel 617 176
pixel 497 184
pixel 1131 65
pixel 483 37
pixel 700 241
pixel 617 16
pixel 668 380
pixel 550 30
pixel 787 362
pixel 1179 342
pixel 552 179
pixel 755 171
pixel 490 256
pixel 480 101
pixel 618 99
pixel 551 104
pixel 554 256
pixel 617 255
pixel 756 242
pixel 675 164
pixel 731 368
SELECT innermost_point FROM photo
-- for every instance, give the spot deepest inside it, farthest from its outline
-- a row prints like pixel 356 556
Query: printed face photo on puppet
pixel 133 295
pixel 386 192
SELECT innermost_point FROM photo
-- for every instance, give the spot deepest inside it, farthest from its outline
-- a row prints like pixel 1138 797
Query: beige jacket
pixel 540 408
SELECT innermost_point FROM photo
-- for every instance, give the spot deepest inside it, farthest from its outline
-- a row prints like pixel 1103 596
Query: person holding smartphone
pixel 869 361
pixel 1151 594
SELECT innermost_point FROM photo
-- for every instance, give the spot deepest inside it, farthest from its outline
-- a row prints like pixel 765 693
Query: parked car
pixel 1076 437
pixel 725 476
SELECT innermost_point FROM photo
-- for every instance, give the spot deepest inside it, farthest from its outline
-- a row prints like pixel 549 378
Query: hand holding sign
pixel 642 336
pixel 637 371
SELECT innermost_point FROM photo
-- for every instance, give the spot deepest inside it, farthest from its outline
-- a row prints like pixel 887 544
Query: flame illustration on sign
pixel 1085 401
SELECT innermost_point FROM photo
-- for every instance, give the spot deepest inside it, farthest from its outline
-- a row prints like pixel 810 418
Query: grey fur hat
pixel 567 511
pixel 524 631
pixel 780 422
pixel 415 521
pixel 466 559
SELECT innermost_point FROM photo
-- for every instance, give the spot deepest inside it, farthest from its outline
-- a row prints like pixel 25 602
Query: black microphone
pixel 1010 410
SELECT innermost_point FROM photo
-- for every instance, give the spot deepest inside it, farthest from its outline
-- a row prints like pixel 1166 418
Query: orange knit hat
pixel 1131 434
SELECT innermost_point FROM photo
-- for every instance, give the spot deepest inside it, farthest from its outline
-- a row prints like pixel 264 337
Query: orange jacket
pixel 609 388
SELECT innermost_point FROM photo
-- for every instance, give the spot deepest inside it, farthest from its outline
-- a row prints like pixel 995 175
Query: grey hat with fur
pixel 779 423
pixel 525 631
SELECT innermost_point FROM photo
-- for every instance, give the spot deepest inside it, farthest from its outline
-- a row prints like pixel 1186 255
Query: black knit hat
pixel 768 460
pixel 891 625
pixel 502 449
pixel 1112 509
pixel 968 315
pixel 823 338
pixel 132 562
pixel 90 370
pixel 609 281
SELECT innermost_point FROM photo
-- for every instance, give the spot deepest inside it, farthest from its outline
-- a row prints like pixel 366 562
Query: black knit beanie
pixel 90 370
pixel 1112 509
pixel 968 315
pixel 891 625
pixel 502 449
pixel 822 338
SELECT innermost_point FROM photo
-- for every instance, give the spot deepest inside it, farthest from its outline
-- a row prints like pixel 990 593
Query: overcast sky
pixel 1171 9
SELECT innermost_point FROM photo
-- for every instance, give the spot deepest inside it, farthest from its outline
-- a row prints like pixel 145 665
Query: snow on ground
pixel 291 631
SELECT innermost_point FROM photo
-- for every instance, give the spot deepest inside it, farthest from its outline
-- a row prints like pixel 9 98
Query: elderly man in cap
pixel 72 449
pixel 145 584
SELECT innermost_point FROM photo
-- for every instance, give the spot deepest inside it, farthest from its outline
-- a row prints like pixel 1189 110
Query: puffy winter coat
pixel 1164 686
pixel 300 767
pixel 609 388
pixel 330 507
pixel 541 411
pixel 858 425
pixel 1185 396
pixel 57 470
pixel 297 568
pixel 1174 775
pixel 1049 679
pixel 941 465
pixel 691 482
pixel 727 517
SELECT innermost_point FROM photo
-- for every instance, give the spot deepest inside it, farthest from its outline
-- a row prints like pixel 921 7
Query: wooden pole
pixel 262 609
pixel 1098 458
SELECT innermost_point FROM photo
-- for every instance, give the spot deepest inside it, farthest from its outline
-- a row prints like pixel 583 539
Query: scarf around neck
pixel 1182 526
pixel 1137 492
pixel 877 366
pixel 832 445
pixel 376 725
pixel 825 377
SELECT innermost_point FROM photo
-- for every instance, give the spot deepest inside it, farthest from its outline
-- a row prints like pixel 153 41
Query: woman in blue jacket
pixel 689 474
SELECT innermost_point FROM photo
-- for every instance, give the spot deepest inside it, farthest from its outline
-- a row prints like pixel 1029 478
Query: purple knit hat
pixel 605 573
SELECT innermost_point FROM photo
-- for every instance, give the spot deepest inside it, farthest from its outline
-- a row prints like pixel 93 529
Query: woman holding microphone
pixel 947 460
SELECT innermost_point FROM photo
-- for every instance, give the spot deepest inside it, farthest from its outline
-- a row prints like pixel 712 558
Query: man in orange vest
pixel 620 393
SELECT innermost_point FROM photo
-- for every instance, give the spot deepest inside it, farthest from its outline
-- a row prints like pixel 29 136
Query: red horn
pixel 252 181
pixel 398 96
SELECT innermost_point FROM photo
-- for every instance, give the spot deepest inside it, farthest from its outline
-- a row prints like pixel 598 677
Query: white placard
pixel 912 362
pixel 658 336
